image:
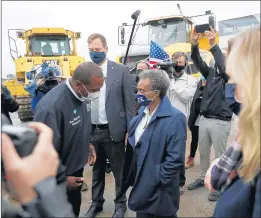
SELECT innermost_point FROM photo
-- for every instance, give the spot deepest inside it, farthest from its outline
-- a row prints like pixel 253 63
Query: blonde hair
pixel 243 63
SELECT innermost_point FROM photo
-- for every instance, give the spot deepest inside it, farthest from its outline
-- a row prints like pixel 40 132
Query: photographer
pixel 215 120
pixel 8 103
pixel 43 79
pixel 32 178
pixel 181 91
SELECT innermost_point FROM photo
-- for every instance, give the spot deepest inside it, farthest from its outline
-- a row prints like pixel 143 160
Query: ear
pixel 106 49
pixel 157 92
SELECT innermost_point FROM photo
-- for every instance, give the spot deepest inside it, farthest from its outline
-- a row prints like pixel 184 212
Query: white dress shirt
pixel 143 124
pixel 101 100
pixel 181 92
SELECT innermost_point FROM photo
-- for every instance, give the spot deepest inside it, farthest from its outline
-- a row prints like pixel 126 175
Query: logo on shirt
pixel 75 121
pixel 88 106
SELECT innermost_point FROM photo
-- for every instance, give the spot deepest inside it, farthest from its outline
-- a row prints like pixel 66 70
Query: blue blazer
pixel 155 174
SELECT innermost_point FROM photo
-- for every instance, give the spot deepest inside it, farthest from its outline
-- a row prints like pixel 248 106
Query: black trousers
pixel 75 196
pixel 182 178
pixel 144 215
pixel 194 141
pixel 114 151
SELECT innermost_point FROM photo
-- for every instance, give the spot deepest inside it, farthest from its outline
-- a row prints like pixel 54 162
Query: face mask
pixel 178 69
pixel 92 96
pixel 97 57
pixel 143 100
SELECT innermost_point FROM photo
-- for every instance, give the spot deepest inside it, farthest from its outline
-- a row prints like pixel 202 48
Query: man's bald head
pixel 86 71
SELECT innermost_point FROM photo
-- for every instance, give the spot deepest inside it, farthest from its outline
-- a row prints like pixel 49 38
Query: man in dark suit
pixel 111 115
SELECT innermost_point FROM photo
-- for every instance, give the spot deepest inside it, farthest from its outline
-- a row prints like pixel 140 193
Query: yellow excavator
pixel 51 45
pixel 173 33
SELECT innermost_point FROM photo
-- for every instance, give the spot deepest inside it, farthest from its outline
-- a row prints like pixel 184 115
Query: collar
pixel 147 111
pixel 71 89
pixel 183 74
pixel 104 66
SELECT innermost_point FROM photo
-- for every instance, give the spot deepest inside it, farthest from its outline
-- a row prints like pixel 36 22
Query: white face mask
pixel 92 96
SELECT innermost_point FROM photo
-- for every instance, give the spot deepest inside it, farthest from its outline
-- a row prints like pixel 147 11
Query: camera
pixel 169 67
pixel 23 137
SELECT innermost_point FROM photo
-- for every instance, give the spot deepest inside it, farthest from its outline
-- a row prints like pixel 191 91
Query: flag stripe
pixel 157 54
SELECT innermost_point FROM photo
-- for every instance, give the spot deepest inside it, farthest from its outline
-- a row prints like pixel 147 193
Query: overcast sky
pixel 103 17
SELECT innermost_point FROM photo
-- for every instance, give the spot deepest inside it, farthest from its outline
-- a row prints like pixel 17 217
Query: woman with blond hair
pixel 237 172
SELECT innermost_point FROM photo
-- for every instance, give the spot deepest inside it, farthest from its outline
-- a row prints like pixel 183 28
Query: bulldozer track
pixel 25 112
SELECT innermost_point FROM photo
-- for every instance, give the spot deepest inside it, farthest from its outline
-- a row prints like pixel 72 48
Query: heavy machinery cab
pixel 51 45
pixel 169 30
pixel 172 33
pixel 54 45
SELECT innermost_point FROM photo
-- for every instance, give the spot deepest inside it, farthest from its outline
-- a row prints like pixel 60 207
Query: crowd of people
pixel 98 114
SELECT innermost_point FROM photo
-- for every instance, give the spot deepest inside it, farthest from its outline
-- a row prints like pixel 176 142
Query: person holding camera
pixel 215 120
pixel 66 109
pixel 32 178
pixel 8 103
pixel 181 91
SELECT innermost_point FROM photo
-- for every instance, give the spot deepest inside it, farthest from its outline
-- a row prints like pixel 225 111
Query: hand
pixel 92 155
pixel 207 181
pixel 74 182
pixel 232 175
pixel 211 37
pixel 24 173
pixel 195 37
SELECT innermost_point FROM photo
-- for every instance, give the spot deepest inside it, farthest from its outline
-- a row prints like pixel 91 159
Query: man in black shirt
pixel 215 120
pixel 66 109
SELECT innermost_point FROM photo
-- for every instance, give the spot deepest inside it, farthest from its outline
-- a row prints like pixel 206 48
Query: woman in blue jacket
pixel 155 150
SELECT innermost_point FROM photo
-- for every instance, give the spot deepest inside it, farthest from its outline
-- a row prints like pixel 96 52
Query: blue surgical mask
pixel 97 57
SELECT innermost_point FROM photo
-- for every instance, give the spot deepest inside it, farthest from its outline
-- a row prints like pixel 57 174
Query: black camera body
pixel 169 67
pixel 23 137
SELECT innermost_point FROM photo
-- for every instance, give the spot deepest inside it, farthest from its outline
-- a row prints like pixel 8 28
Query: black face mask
pixel 178 69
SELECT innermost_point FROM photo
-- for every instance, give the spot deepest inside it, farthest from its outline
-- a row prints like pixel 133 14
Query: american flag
pixel 157 54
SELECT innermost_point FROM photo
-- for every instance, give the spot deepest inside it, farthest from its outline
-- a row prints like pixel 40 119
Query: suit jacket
pixel 154 174
pixel 120 100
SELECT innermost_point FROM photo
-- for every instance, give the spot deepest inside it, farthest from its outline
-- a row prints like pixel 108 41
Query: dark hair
pixel 85 71
pixel 97 36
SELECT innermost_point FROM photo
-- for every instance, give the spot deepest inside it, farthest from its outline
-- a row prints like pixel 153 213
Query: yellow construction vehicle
pixel 173 33
pixel 51 45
